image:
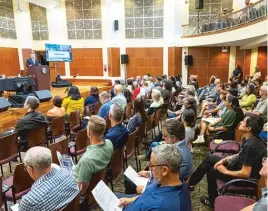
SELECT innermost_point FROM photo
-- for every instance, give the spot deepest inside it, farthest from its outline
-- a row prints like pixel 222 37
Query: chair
pixel 88 110
pixel 231 203
pixel 157 117
pixel 73 205
pixel 128 110
pixel 62 147
pixel 130 149
pixel 149 128
pixel 81 143
pixel 8 150
pixel 74 122
pixel 20 184
pixel 57 127
pixel 2 199
pixel 37 137
pixel 97 108
pixel 115 166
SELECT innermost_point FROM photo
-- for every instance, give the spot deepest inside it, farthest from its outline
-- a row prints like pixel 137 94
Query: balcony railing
pixel 251 13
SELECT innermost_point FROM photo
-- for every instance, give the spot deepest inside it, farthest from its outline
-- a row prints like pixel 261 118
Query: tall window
pixel 144 19
pixel 212 9
pixel 39 22
pixel 84 19
pixel 7 22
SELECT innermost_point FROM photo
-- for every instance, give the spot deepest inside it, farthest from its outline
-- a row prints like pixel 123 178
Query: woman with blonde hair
pixel 157 101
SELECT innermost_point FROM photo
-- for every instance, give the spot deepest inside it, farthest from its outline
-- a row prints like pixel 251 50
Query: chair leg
pixel 5 202
pixel 112 186
pixel 10 170
pixel 76 159
pixel 136 159
pixel 2 170
pixel 20 156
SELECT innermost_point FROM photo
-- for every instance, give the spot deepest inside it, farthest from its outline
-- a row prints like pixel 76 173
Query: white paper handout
pixel 15 207
pixel 209 120
pixel 135 178
pixel 66 161
pixel 105 197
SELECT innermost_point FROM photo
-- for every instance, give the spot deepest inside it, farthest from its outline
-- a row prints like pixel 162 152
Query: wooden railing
pixel 238 18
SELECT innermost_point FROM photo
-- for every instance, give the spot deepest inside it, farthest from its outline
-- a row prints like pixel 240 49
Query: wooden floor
pixel 9 118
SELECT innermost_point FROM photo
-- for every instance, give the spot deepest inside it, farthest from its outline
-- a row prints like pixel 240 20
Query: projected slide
pixel 58 53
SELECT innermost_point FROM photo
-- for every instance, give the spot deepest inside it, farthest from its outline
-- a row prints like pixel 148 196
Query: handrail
pixel 255 11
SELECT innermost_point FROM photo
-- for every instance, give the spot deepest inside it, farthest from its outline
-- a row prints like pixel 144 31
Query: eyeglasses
pixel 151 166
pixel 264 159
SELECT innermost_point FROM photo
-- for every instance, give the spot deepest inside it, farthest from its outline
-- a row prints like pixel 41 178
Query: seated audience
pixel 261 204
pixel 261 108
pixel 139 116
pixel 130 85
pixel 157 102
pixel 93 97
pixel 188 119
pixel 54 187
pixel 173 132
pixel 117 134
pixel 263 134
pixel 210 90
pixel 158 81
pixel 136 91
pixel 96 157
pixel 188 103
pixel 31 120
pixel 112 93
pixel 245 164
pixel 119 96
pixel 57 110
pixel 248 101
pixel 73 101
pixel 128 95
pixel 166 90
pixel 256 75
pixel 257 84
pixel 242 89
pixel 167 191
pixel 106 105
pixel 227 122
pixel 237 73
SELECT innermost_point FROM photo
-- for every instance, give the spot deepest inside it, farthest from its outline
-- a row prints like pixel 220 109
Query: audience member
pixel 158 81
pixel 245 164
pixel 157 102
pixel 73 101
pixel 31 120
pixel 106 105
pixel 136 90
pixel 139 116
pixel 242 90
pixel 188 119
pixel 93 97
pixel 188 103
pixel 248 101
pixel 119 96
pixel 54 187
pixel 57 110
pixel 117 134
pixel 167 191
pixel 261 108
pixel 256 75
pixel 227 122
pixel 128 95
pixel 130 85
pixel 166 90
pixel 237 73
pixel 96 157
pixel 265 83
pixel 257 84
pixel 112 93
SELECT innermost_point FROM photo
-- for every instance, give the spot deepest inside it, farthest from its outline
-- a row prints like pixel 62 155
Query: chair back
pixel 74 119
pixel 108 123
pixel 62 147
pixel 82 140
pixel 128 110
pixel 8 146
pixel 37 137
pixel 88 111
pixel 93 182
pixel 157 116
pixel 97 108
pixel 73 205
pixel 21 179
pixel 130 145
pixel 1 195
pixel 142 131
pixel 58 126
pixel 116 164
pixel 150 123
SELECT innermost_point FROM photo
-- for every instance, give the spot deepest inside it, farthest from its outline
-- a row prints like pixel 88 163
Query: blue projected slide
pixel 58 53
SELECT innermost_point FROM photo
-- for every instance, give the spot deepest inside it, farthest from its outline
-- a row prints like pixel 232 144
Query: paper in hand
pixel 15 207
pixel 135 178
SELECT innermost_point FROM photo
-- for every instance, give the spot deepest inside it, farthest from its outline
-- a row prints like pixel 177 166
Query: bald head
pixel 118 89
pixel 104 96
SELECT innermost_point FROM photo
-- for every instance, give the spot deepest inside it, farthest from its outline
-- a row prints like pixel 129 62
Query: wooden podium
pixel 40 75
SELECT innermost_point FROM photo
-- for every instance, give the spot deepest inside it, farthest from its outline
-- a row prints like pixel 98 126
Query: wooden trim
pixel 229 29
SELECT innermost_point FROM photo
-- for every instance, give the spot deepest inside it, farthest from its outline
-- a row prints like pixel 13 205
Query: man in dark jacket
pixel 31 120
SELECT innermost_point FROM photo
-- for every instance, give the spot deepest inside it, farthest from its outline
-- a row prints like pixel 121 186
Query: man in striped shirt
pixel 54 187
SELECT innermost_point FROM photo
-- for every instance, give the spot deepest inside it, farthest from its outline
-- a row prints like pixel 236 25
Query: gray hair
pixel 265 88
pixel 156 94
pixel 170 155
pixel 33 102
pixel 118 88
pixel 135 84
pixel 117 112
pixel 104 95
pixel 38 157
pixel 190 90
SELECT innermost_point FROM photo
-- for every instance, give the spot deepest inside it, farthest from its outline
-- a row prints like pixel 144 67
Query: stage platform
pixel 9 118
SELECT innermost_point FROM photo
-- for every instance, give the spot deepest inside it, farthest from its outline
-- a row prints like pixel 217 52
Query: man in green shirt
pixel 97 155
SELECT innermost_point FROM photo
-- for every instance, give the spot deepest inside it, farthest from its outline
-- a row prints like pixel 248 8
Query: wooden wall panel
pixel 243 59
pixel 209 61
pixel 113 62
pixel 9 61
pixel 144 60
pixel 174 61
pixel 87 62
pixel 262 60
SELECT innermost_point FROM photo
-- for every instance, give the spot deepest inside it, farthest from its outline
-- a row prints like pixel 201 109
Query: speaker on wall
pixel 116 25
pixel 43 95
pixel 188 60
pixel 4 104
pixel 199 4
pixel 124 59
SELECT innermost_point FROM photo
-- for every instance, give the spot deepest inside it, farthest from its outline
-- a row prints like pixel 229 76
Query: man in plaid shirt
pixel 54 187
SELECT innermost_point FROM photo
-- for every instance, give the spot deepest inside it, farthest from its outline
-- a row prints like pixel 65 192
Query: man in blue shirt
pixel 167 192
pixel 106 105
pixel 117 134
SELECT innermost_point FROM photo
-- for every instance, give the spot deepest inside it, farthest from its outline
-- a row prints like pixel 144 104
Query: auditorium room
pixel 133 105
